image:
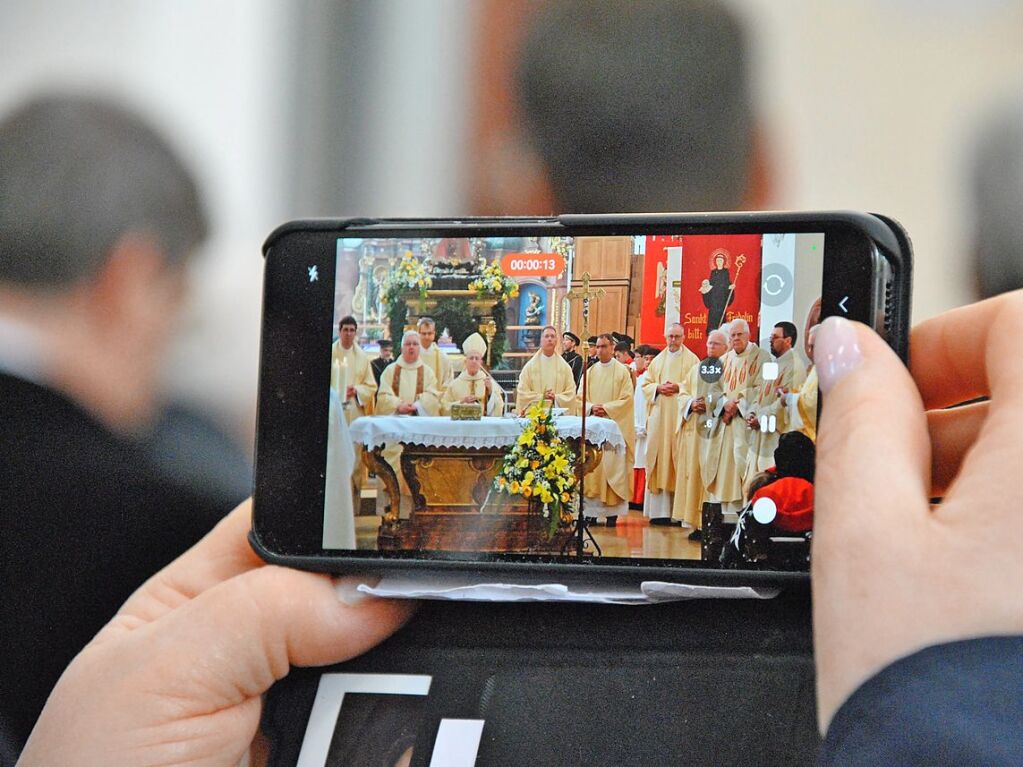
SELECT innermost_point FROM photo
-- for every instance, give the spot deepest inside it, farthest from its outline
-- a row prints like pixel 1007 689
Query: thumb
pixel 873 449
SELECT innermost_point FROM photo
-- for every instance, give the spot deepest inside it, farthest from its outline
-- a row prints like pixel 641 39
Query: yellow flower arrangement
pixel 540 465
pixel 492 280
pixel 410 274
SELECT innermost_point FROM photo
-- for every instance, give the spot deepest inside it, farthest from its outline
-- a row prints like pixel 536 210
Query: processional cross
pixel 586 294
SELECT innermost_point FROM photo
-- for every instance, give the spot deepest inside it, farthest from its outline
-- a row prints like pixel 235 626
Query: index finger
pixel 222 554
pixel 949 352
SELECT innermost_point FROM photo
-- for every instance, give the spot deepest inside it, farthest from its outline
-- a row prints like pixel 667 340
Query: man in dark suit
pixel 386 358
pixel 98 219
pixel 569 342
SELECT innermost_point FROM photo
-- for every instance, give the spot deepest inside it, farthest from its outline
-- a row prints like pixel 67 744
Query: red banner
pixel 655 287
pixel 711 264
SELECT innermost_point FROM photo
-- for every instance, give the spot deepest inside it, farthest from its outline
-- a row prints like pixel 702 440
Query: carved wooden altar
pixel 454 507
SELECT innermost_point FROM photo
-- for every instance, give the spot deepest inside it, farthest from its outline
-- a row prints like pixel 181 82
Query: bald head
pixel 674 336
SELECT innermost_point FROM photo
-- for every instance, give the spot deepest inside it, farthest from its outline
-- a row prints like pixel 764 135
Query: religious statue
pixel 533 318
pixel 718 290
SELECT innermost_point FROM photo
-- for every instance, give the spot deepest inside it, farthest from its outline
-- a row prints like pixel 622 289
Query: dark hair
pixel 623 347
pixel 348 320
pixel 788 330
pixel 385 343
pixel 795 456
pixel 593 339
pixel 638 106
pixel 76 175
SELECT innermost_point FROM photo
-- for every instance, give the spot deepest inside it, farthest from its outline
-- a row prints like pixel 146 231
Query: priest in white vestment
pixel 546 376
pixel 352 379
pixel 703 402
pixel 431 354
pixel 608 487
pixel 740 381
pixel 474 383
pixel 407 387
pixel 645 355
pixel 768 406
pixel 800 412
pixel 665 378
pixel 338 501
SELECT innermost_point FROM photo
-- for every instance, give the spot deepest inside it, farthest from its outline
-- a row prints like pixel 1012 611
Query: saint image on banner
pixel 718 290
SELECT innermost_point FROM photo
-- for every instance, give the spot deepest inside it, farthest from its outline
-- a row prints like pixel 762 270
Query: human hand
pixel 406 409
pixel 549 394
pixel 699 406
pixel 892 575
pixel 469 399
pixel 599 411
pixel 753 422
pixel 730 409
pixel 349 393
pixel 176 677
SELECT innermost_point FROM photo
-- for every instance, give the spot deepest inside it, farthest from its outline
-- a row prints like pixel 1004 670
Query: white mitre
pixel 474 343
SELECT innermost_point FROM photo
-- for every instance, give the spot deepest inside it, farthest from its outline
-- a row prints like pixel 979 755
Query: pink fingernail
pixel 836 351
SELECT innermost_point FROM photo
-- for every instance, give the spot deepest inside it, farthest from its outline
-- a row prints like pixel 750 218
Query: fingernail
pixel 836 351
pixel 347 589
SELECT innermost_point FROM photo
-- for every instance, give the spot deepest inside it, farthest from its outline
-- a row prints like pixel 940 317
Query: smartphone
pixel 351 477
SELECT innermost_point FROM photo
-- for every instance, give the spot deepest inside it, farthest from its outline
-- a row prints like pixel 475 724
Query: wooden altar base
pixel 454 507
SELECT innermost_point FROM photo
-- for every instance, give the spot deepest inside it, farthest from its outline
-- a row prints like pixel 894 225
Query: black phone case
pixel 892 243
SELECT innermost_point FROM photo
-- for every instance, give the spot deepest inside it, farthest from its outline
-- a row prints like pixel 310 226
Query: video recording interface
pixel 460 370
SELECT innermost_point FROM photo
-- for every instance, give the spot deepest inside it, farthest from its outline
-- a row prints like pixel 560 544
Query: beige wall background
pixel 872 106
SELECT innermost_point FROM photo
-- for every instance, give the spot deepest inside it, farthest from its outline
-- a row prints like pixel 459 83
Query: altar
pixel 450 466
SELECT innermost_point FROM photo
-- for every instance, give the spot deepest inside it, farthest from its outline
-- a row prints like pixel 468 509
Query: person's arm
pixel 387 401
pixel 366 386
pixel 176 678
pixel 892 574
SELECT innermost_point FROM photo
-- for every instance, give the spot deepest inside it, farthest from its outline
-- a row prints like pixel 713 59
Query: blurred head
pixel 98 219
pixel 623 353
pixel 427 332
pixel 386 349
pixel 738 334
pixel 649 352
pixel 719 261
pixel 347 328
pixel 674 337
pixel 997 190
pixel 569 341
pixel 473 362
pixel 617 98
pixel 605 347
pixel 717 344
pixel 410 346
pixel 783 338
pixel 549 340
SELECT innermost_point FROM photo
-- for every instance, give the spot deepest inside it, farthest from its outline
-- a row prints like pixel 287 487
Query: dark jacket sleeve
pixel 958 704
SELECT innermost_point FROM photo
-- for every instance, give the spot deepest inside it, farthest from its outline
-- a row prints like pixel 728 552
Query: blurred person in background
pixel 634 107
pixel 98 220
pixel 997 181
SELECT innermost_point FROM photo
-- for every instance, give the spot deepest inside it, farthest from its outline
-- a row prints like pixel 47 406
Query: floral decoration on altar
pixel 492 281
pixel 540 466
pixel 410 275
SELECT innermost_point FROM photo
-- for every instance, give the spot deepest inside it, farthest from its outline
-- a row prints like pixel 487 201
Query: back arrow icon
pixel 842 306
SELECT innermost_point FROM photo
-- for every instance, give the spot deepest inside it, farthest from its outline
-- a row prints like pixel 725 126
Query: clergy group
pixel 697 429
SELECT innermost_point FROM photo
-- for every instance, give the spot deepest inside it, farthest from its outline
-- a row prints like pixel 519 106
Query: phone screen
pixel 453 383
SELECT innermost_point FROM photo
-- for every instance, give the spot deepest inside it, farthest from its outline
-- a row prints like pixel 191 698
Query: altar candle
pixel 343 387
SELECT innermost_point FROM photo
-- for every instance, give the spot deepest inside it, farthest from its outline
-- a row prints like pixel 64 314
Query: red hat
pixel 792 502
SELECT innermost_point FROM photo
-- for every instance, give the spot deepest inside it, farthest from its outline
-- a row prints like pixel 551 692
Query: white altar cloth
pixel 376 431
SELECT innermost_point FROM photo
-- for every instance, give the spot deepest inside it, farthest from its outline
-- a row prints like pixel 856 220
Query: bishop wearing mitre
pixel 768 409
pixel 699 417
pixel 351 378
pixel 407 387
pixel 546 376
pixel 609 394
pixel 662 388
pixel 474 383
pixel 741 380
pixel 431 354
